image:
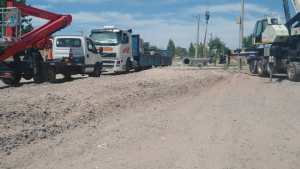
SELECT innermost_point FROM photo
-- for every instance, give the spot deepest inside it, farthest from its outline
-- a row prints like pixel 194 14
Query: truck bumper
pixel 63 68
pixel 112 66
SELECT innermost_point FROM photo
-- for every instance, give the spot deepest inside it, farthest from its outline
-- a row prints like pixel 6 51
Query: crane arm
pixel 31 39
pixel 287 11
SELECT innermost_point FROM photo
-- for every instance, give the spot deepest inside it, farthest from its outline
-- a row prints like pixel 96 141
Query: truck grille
pixel 108 63
pixel 109 55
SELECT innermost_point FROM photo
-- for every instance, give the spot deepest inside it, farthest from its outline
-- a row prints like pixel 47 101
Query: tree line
pixel 214 47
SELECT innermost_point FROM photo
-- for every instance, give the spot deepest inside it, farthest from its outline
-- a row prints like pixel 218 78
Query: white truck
pixel 116 45
pixel 73 55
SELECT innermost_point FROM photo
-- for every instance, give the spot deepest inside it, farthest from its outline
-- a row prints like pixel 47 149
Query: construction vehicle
pixel 276 46
pixel 20 56
pixel 116 47
pixel 124 51
pixel 73 55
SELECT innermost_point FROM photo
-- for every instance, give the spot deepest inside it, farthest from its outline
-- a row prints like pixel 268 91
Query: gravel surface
pixel 35 111
pixel 161 118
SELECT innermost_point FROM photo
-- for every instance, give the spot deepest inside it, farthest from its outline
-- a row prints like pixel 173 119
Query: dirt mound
pixel 34 112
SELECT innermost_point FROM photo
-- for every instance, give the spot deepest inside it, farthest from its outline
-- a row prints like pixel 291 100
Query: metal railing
pixel 10 18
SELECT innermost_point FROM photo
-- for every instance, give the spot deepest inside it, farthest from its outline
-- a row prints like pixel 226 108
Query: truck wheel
pixel 97 71
pixel 293 71
pixel 14 81
pixel 138 69
pixel 128 66
pixel 253 66
pixel 52 75
pixel 261 69
pixel 39 73
pixel 27 76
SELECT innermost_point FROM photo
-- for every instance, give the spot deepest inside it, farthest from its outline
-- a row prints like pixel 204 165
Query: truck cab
pixel 269 30
pixel 74 55
pixel 116 46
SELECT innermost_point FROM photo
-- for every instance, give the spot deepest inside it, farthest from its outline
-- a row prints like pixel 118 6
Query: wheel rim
pixel 259 68
pixel 252 67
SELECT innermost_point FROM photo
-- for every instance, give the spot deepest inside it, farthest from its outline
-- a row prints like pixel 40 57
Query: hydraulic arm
pixel 286 10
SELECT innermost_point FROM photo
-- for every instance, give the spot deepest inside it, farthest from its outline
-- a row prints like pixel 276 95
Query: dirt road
pixel 157 119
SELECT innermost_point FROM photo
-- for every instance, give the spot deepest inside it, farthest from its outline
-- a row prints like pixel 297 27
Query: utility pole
pixel 207 17
pixel 242 23
pixel 198 38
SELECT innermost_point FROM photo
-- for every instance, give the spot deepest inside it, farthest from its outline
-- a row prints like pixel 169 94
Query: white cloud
pixel 231 8
pixel 45 7
pixel 87 17
pixel 158 30
pixel 163 26
pixel 76 1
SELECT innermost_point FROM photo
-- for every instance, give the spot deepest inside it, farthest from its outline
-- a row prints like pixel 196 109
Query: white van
pixel 74 55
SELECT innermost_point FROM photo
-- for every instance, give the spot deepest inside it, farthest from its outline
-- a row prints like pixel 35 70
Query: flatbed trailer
pixel 144 58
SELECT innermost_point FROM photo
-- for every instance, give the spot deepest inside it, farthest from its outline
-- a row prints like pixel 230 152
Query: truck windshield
pixel 274 21
pixel 68 42
pixel 105 38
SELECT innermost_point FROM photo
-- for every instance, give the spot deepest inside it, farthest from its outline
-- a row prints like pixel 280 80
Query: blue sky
pixel 159 20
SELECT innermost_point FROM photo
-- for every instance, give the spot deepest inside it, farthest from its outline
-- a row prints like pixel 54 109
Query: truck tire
pixel 138 69
pixel 128 66
pixel 52 75
pixel 39 71
pixel 293 71
pixel 27 75
pixel 253 66
pixel 14 81
pixel 261 69
pixel 97 71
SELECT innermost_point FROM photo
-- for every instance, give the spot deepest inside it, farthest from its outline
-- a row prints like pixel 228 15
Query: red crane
pixel 32 64
pixel 33 38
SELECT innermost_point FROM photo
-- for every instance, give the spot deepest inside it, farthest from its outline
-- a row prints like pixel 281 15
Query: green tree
pixel 191 50
pixel 171 48
pixel 2 3
pixel 201 48
pixel 247 42
pixel 181 52
pixel 217 48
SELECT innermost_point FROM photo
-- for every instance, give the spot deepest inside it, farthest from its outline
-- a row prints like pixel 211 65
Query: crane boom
pixel 286 8
pixel 296 4
pixel 31 39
